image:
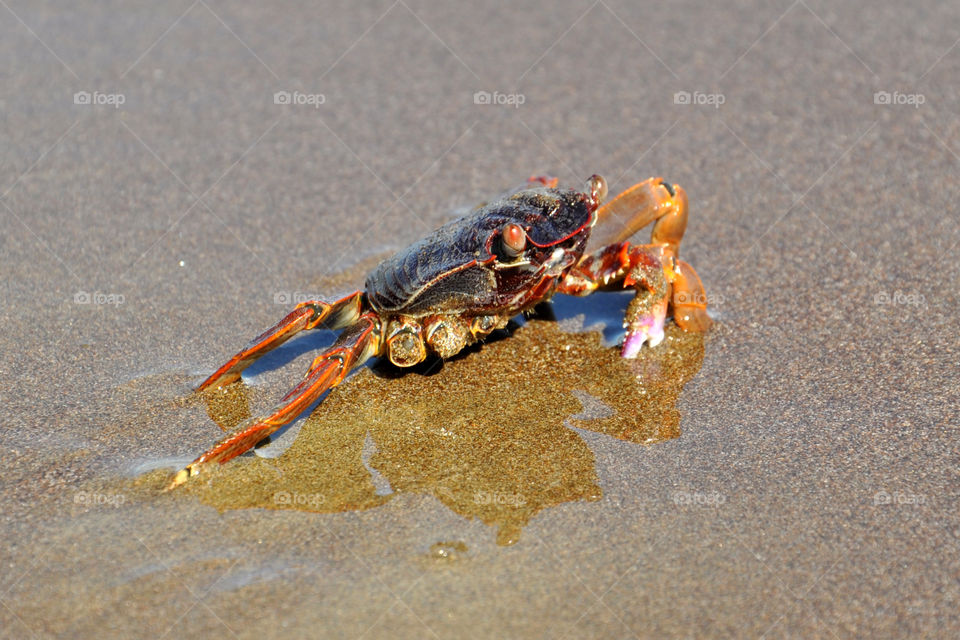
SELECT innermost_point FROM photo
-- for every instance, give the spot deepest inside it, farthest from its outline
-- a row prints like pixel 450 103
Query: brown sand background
pixel 824 224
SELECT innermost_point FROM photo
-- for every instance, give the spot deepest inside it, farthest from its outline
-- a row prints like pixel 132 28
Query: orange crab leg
pixel 608 268
pixel 689 300
pixel 643 203
pixel 307 315
pixel 354 346
pixel 653 271
pixel 645 268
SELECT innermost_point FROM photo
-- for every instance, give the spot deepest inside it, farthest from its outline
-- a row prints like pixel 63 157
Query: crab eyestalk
pixel 596 191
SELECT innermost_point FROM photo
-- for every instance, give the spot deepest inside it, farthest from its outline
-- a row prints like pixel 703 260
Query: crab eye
pixel 596 189
pixel 513 240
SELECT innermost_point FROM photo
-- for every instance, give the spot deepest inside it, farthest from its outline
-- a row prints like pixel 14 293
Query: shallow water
pixel 492 433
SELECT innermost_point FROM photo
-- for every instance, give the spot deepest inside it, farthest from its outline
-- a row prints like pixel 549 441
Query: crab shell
pixel 459 283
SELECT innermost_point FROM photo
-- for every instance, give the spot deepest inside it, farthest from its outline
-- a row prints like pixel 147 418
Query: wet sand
pixel 791 473
pixel 501 455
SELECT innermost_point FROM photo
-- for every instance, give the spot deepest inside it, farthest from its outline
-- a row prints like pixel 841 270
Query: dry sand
pixel 791 474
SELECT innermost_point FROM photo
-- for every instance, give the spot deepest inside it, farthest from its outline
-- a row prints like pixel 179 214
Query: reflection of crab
pixel 447 441
pixel 472 275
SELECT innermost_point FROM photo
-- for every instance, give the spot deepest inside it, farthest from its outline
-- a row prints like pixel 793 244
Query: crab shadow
pixel 487 433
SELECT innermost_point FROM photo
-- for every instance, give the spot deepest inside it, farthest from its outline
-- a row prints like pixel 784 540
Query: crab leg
pixel 689 300
pixel 643 203
pixel 653 272
pixel 306 315
pixel 354 346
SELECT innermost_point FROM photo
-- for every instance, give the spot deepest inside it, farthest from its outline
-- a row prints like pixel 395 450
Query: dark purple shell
pixel 452 269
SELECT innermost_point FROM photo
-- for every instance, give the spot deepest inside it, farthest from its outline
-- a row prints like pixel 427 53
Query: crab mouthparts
pixel 559 260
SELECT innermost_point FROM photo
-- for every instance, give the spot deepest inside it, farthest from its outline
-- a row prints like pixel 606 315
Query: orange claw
pixel 652 269
pixel 653 200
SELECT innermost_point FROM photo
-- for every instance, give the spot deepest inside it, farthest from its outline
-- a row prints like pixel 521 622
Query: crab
pixel 471 276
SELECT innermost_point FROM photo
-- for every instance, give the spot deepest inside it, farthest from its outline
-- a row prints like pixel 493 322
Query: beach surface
pixel 174 177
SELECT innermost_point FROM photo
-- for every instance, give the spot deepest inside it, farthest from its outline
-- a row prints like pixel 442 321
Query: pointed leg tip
pixel 636 338
pixel 629 354
pixel 632 345
pixel 181 477
pixel 217 381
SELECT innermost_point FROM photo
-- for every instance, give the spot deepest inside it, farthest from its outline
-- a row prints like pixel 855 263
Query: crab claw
pixel 647 311
pixel 643 328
